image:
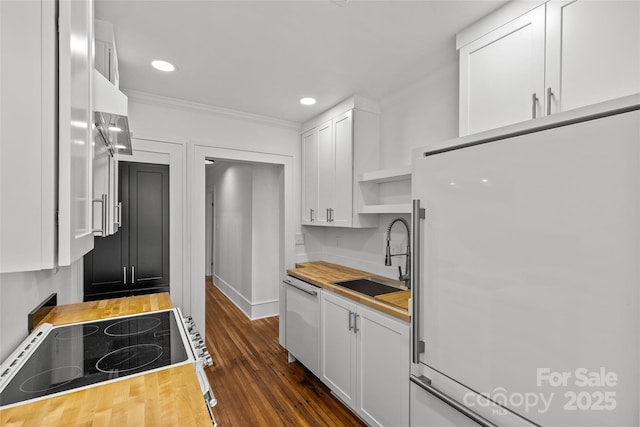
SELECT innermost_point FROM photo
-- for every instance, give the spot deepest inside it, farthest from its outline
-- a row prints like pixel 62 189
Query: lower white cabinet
pixel 365 360
pixel 338 346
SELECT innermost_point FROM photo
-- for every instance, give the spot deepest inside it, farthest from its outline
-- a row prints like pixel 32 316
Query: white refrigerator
pixel 526 301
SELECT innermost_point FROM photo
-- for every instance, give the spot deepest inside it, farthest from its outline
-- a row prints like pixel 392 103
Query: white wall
pixel 22 292
pixel 233 229
pixel 265 239
pixel 424 112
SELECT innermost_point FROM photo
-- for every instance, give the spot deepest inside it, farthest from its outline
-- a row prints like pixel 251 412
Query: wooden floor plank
pixel 252 380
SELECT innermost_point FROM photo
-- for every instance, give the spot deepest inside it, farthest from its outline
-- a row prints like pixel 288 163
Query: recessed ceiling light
pixel 163 65
pixel 307 101
pixel 209 161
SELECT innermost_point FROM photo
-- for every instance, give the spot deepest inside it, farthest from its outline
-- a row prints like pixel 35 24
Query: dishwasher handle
pixel 306 291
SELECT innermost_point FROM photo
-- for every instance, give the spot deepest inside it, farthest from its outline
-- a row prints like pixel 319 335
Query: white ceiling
pixel 260 57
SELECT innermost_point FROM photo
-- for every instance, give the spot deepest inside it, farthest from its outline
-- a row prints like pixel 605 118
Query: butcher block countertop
pixel 324 274
pixel 169 397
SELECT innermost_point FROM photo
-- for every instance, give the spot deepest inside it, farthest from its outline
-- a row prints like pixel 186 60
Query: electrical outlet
pixel 299 238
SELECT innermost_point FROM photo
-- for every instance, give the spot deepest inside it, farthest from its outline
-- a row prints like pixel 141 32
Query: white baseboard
pixel 253 310
pixel 260 310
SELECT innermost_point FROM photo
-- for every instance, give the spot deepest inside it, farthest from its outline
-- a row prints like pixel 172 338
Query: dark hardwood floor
pixel 252 380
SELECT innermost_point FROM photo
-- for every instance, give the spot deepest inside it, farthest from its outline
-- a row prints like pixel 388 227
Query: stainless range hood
pixel 110 116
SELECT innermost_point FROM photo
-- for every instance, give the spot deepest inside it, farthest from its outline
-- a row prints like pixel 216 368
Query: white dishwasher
pixel 303 323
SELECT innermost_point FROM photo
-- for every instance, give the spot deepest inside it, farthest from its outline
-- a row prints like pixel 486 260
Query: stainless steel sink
pixel 367 287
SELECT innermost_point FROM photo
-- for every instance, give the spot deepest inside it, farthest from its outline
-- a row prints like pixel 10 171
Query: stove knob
pixel 208 361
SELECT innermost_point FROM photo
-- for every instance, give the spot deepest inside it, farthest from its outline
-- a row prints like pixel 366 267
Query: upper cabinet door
pixel 27 135
pixel 502 75
pixel 75 234
pixel 593 51
pixel 309 176
pixel 342 207
pixel 326 172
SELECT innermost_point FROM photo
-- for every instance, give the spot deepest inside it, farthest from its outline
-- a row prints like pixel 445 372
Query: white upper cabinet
pixel 310 177
pixel 342 203
pixel 502 75
pixel 34 105
pixel 75 174
pixel 517 64
pixel 336 147
pixel 326 172
pixel 593 51
pixel 27 135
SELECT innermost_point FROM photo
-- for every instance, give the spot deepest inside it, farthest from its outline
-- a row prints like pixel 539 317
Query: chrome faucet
pixel 406 277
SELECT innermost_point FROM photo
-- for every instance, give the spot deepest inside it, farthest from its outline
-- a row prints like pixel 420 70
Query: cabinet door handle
pixel 534 105
pixel 105 212
pixel 549 96
pixel 133 274
pixel 350 322
pixel 328 216
pixel 124 275
pixel 118 221
pixel 311 215
pixel 355 323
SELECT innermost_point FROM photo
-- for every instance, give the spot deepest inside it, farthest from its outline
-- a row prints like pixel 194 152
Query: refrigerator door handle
pixel 425 384
pixel 417 345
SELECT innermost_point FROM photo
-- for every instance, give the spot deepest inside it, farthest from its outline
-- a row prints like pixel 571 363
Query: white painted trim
pixel 264 309
pixel 496 19
pixel 180 104
pixel 354 102
pixel 232 293
pixel 197 152
pixel 146 151
pixel 145 156
pixel 253 310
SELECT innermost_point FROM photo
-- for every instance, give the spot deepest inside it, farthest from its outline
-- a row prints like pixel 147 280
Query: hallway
pixel 252 380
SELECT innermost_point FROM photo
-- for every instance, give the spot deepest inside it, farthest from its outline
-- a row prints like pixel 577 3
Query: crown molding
pixel 184 105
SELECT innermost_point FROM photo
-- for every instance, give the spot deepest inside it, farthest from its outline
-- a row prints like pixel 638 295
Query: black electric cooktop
pixel 79 355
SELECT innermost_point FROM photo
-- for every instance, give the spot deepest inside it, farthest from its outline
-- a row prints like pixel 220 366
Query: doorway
pixel 244 216
pixel 197 192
